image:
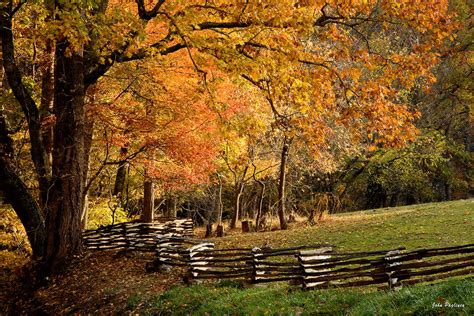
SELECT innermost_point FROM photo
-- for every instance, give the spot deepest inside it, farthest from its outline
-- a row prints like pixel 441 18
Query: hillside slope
pixel 111 282
pixel 416 226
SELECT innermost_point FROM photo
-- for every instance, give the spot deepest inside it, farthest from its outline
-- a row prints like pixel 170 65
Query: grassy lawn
pixel 419 226
pixel 450 298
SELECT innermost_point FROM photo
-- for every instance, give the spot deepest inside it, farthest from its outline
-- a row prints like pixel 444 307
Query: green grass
pixel 417 226
pixel 226 299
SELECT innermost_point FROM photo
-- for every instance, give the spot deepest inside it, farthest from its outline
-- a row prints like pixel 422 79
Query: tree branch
pixel 18 7
pixel 23 96
pixel 119 57
pixel 146 15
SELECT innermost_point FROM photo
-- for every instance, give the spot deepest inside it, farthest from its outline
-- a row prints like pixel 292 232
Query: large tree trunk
pixel 282 185
pixel 66 195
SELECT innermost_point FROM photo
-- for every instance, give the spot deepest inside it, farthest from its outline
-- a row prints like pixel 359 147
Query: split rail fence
pixel 316 266
pixel 135 236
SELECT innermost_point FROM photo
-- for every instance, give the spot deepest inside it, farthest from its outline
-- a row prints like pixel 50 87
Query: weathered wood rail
pixel 135 236
pixel 317 266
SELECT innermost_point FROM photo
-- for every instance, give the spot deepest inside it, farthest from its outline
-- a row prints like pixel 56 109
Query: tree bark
pixel 148 201
pixel 247 226
pixel 259 200
pixel 66 195
pixel 25 207
pixel 282 185
pixel 17 194
pixel 174 209
pixel 121 173
pixel 220 204
pixel 238 195
pixel 220 230
pixel 208 230
pixel 46 107
pixel 88 135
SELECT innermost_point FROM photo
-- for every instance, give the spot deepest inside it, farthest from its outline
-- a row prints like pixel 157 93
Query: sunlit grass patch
pixel 453 297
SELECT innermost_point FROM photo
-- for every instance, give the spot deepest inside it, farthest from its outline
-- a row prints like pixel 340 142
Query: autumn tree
pixel 314 54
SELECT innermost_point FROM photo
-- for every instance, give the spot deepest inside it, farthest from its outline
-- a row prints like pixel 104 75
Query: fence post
pixel 196 260
pixel 391 268
pixel 164 242
pixel 255 272
pixel 305 258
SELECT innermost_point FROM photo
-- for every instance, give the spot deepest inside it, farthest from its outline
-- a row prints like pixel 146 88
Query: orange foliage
pixel 332 70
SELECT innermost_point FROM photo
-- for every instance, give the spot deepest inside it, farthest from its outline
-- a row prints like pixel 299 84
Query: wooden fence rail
pixel 317 266
pixel 135 236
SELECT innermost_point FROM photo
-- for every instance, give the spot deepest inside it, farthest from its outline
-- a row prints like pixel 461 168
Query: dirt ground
pixel 95 283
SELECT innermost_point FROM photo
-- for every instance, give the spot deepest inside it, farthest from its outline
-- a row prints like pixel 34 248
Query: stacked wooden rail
pixel 210 263
pixel 426 265
pixel 317 266
pixel 273 265
pixel 135 236
pixel 348 269
pixel 174 250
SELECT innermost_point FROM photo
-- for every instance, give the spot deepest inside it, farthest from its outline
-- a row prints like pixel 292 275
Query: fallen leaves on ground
pixel 98 283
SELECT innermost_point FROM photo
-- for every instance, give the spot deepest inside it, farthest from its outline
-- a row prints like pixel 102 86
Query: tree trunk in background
pixel 282 185
pixel 220 227
pixel 448 192
pixel 247 226
pixel 238 195
pixel 220 231
pixel 375 193
pixel 148 201
pixel 47 92
pixel 121 173
pixel 260 203
pixel 120 179
pixel 171 206
pixel 89 132
pixel 239 188
pixel 220 204
pixel 208 230
pixel 174 209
